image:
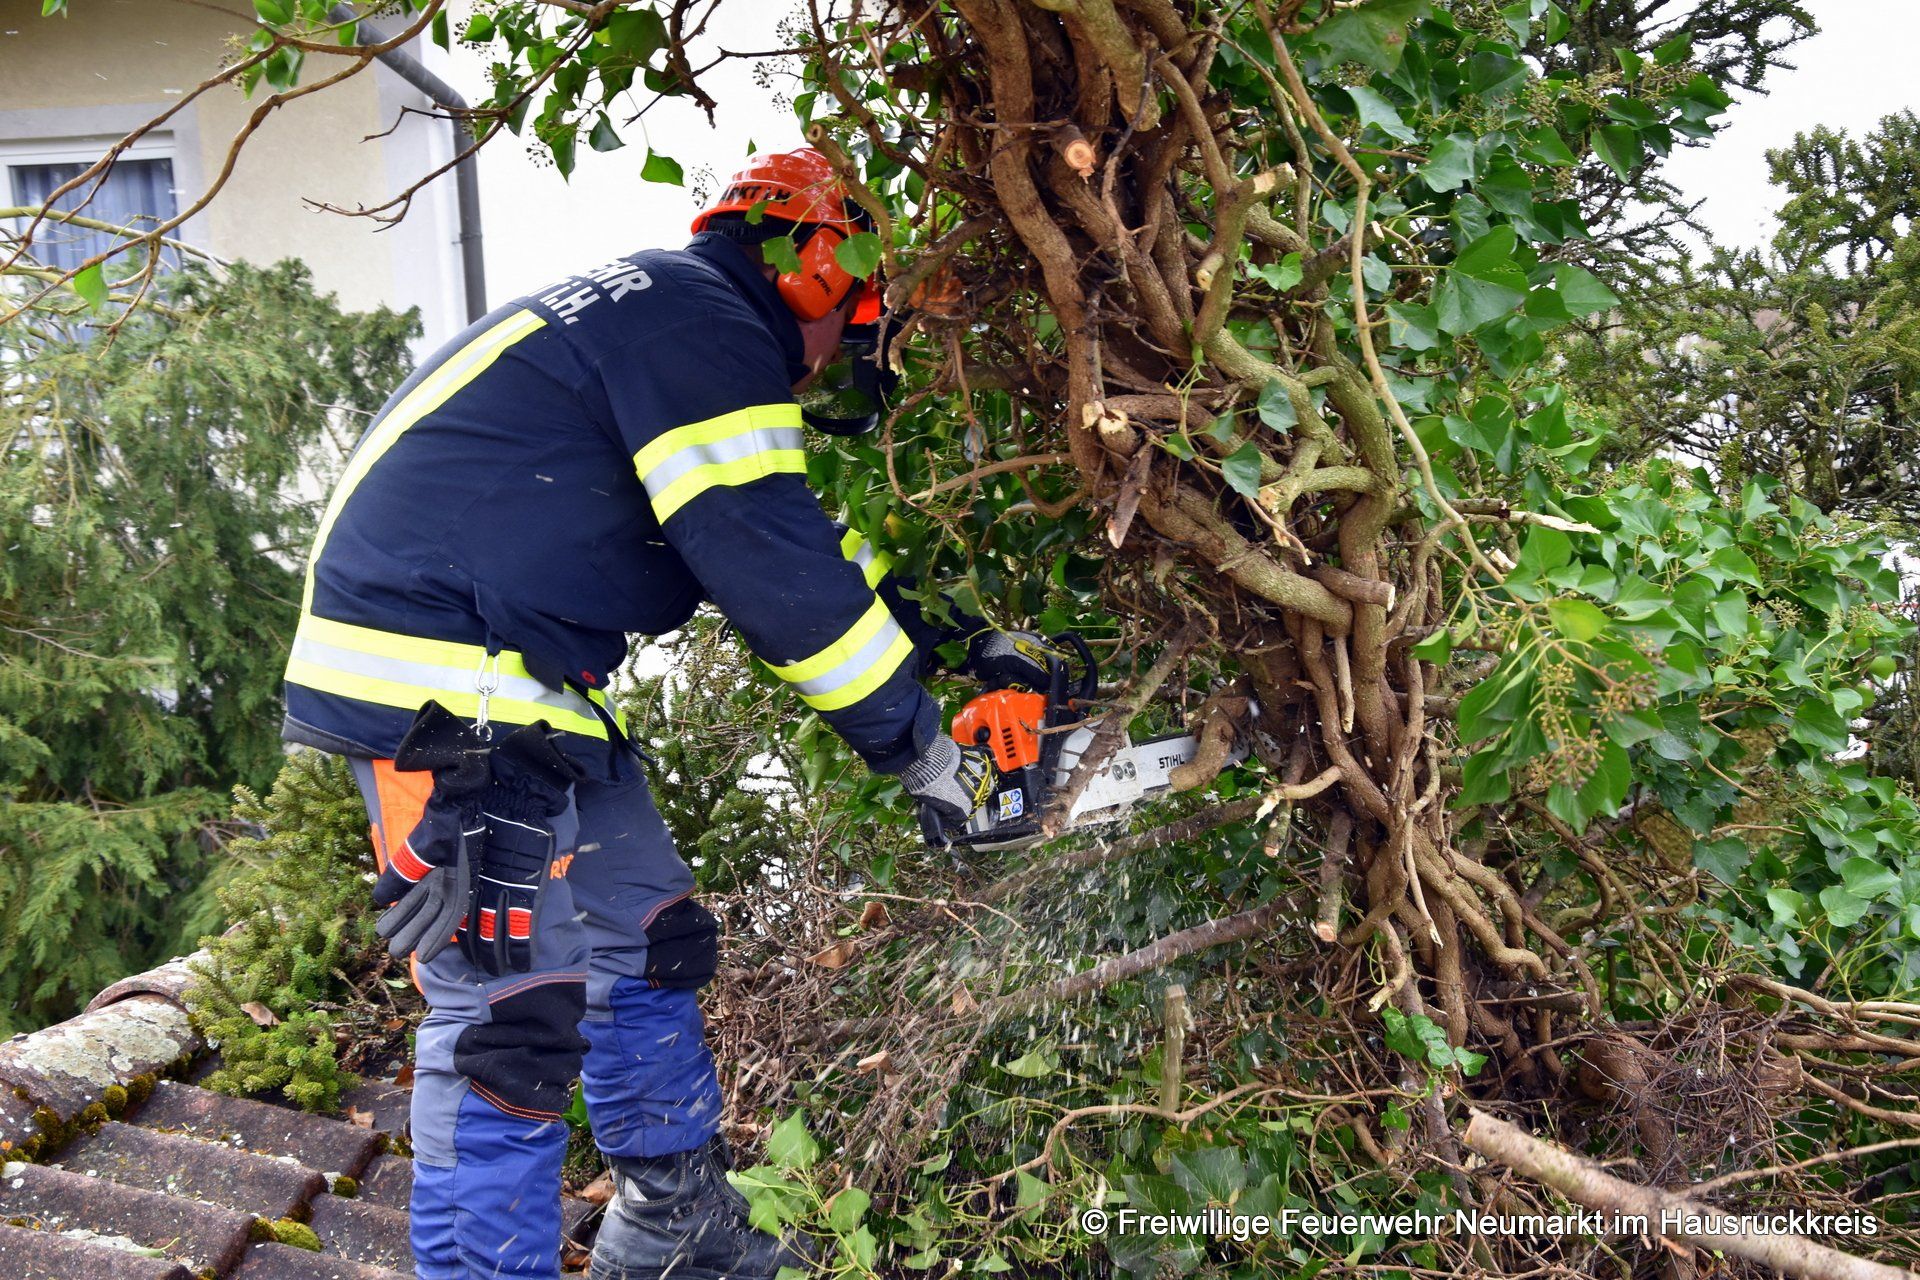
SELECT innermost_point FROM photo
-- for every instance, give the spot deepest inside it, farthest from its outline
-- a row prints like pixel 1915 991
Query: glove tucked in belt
pixel 477 865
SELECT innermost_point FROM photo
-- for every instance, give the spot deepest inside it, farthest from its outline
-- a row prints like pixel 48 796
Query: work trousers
pixel 619 952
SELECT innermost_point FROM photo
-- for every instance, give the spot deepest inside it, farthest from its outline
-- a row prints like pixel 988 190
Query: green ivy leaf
pixel 1374 33
pixel 859 253
pixel 1211 1175
pixel 1031 1065
pixel 1276 406
pixel 1817 725
pixel 1375 110
pixel 1576 619
pixel 604 137
pixel 780 254
pixel 1484 283
pixel 790 1145
pixel 1483 780
pixel 636 33
pixel 1581 290
pixel 273 11
pixel 1723 859
pixel 442 29
pixel 1415 327
pixel 1281 275
pixel 1546 146
pixel 1618 145
pixel 849 1206
pixel 659 168
pixel 1867 879
pixel 1242 470
pixel 1449 163
pixel 1844 908
pixel 91 285
pixel 480 28
pixel 1678 49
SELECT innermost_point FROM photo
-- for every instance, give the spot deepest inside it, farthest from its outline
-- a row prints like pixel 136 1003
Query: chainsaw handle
pixel 932 829
pixel 1089 682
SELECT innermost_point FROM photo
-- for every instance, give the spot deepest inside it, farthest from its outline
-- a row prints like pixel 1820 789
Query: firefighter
pixel 591 461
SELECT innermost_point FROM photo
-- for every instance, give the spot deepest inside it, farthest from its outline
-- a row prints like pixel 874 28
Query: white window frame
pixel 18 153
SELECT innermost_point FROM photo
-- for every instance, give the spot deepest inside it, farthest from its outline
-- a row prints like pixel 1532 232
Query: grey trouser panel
pixel 513 1039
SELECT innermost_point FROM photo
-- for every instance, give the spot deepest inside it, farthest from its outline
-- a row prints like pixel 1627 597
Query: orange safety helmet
pixel 802 188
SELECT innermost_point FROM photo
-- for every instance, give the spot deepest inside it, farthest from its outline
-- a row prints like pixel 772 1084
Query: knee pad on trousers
pixel 683 947
pixel 524 1060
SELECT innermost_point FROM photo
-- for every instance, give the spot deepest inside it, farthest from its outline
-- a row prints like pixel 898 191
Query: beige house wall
pixel 87 78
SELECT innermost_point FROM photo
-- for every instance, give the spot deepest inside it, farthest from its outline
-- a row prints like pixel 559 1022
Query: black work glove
pixel 427 881
pixel 513 862
pixel 1010 659
pixel 950 783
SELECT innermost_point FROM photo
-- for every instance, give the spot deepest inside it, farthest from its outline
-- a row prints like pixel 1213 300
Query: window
pixel 138 192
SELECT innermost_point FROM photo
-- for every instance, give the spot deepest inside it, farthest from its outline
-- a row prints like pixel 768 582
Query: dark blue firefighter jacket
pixel 593 461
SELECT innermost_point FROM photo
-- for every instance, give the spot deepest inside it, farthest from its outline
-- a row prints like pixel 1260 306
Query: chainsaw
pixel 1036 738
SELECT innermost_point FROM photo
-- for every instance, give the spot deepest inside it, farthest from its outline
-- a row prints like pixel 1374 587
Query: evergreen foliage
pixel 1801 360
pixel 156 498
pixel 301 918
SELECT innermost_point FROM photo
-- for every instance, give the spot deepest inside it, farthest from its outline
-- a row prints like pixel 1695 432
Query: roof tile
pixel 170 980
pixel 70 1066
pixel 42 1255
pixel 200 1236
pixel 186 1170
pixel 363 1232
pixel 388 1104
pixel 388 1182
pixel 269 1186
pixel 282 1262
pixel 315 1141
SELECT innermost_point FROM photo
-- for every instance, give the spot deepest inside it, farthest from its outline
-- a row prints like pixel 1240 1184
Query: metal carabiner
pixel 485 683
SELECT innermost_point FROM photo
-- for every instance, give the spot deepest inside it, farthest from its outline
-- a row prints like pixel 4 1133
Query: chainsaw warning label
pixel 1012 805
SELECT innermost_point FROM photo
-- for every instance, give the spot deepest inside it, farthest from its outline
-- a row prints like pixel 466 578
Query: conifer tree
pixel 157 490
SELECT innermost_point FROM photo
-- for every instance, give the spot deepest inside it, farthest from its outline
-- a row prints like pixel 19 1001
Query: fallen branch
pixel 993 469
pixel 1554 1166
pixel 1132 964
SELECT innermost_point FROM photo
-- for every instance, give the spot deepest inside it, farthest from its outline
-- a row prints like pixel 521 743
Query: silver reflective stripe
pixel 732 449
pixel 426 675
pixel 856 666
pixel 863 555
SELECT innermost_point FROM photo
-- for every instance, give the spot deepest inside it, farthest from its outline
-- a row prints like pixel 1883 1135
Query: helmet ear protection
pixel 822 284
pixel 801 188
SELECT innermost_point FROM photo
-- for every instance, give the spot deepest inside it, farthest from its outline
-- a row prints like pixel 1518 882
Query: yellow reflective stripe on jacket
pixel 873 564
pixel 433 391
pixel 396 670
pixel 733 449
pixel 853 666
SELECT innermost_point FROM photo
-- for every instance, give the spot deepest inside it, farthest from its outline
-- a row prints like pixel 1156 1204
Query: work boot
pixel 676 1217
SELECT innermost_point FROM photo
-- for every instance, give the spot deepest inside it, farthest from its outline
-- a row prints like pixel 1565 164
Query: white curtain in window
pixel 136 193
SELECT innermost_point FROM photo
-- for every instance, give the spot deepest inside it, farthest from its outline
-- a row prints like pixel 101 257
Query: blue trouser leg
pixel 620 943
pixel 648 1076
pixel 495 1061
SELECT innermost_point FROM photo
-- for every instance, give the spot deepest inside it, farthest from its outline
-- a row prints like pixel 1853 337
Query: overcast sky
pixel 539 228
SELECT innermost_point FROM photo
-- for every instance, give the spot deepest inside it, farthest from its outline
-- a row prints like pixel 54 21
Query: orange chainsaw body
pixel 1005 722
